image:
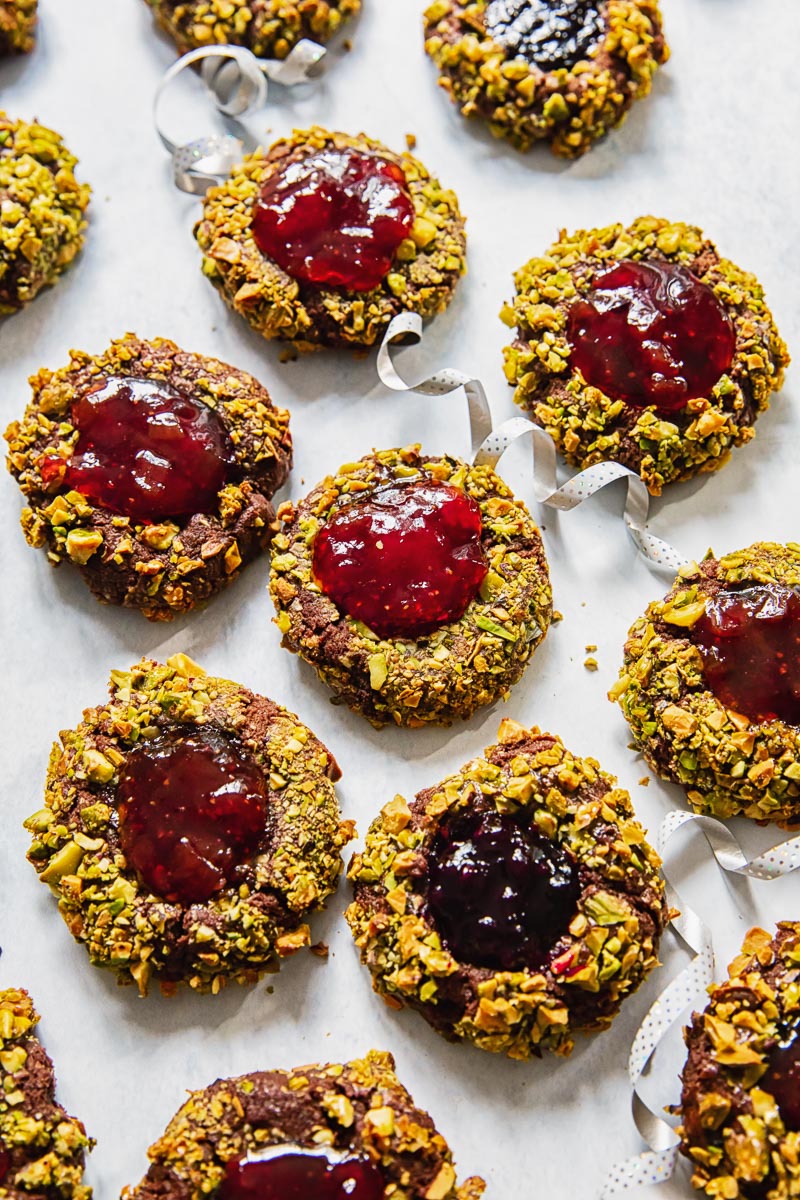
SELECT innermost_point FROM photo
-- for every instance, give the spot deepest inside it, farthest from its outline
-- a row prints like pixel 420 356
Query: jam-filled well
pixel 750 642
pixel 549 34
pixel 500 893
pixel 651 333
pixel 782 1079
pixel 334 218
pixel 405 561
pixel 193 806
pixel 144 450
pixel 299 1174
pixel 5 1163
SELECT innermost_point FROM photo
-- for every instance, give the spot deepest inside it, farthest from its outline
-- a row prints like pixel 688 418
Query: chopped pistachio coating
pixel 17 26
pixel 569 107
pixel 42 223
pixel 248 927
pixel 422 278
pixel 611 943
pixel 173 565
pixel 45 1146
pixel 589 427
pixel 732 1129
pixel 464 664
pixel 359 1108
pixel 729 765
pixel 270 28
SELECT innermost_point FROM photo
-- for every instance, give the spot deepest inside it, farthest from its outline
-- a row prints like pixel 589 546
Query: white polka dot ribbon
pixel 237 82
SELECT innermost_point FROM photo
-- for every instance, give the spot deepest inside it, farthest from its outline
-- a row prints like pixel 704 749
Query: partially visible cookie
pixel 270 28
pixel 42 1148
pixel 17 26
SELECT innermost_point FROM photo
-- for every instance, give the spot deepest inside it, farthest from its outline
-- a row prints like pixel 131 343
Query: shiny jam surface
pixel 651 333
pixel 144 451
pixel 335 218
pixel 299 1175
pixel 750 643
pixel 406 561
pixel 193 806
pixel 547 33
pixel 782 1080
pixel 501 895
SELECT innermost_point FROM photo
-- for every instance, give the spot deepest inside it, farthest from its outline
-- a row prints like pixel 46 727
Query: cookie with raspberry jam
pixel 17 26
pixel 513 904
pixel 323 238
pixel 190 828
pixel 152 470
pixel 710 684
pixel 270 28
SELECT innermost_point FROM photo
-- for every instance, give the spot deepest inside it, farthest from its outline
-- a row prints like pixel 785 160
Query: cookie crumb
pixel 590 664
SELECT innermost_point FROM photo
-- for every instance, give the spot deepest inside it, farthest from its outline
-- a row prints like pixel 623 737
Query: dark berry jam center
pixel 547 33
pixel 302 1175
pixel 650 333
pixel 5 1163
pixel 144 450
pixel 406 561
pixel 782 1079
pixel 750 643
pixel 335 218
pixel 500 893
pixel 193 806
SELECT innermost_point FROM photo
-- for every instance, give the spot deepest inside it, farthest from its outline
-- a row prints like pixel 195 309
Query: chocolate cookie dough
pixel 463 662
pixel 706 715
pixel 42 1148
pixel 417 269
pixel 43 210
pixel 151 469
pixel 642 407
pixel 357 1112
pixel 212 878
pixel 17 26
pixel 740 1104
pixel 513 904
pixel 561 71
pixel 270 28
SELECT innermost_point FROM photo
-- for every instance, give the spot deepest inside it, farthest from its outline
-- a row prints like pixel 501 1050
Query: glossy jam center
pixel 500 894
pixel 335 218
pixel 145 451
pixel 192 808
pixel 547 33
pixel 406 561
pixel 782 1080
pixel 750 643
pixel 302 1175
pixel 651 334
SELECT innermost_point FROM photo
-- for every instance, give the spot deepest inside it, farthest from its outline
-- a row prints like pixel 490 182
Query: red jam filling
pixel 335 218
pixel 5 1163
pixel 406 561
pixel 302 1175
pixel 500 894
pixel 549 34
pixel 144 450
pixel 650 333
pixel 782 1080
pixel 193 807
pixel 750 643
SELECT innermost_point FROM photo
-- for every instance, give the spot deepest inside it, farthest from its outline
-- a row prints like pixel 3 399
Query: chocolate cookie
pixel 42 1148
pixel 740 1103
pixel 189 828
pixel 151 469
pixel 415 585
pixel 323 238
pixel 350 1128
pixel 711 680
pixel 642 346
pixel 270 28
pixel 43 210
pixel 17 26
pixel 561 71
pixel 513 904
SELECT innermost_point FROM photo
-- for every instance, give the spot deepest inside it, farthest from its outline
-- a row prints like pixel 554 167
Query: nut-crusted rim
pixel 170 566
pixel 611 943
pixel 359 1107
pixel 270 28
pixel 446 674
pixel 729 765
pixel 17 26
pixel 422 278
pixel 247 928
pixel 586 425
pixel 732 1130
pixel 569 108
